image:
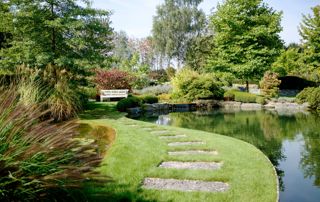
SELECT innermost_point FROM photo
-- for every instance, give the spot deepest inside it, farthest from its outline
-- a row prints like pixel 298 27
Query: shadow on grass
pixel 115 193
pixel 109 193
pixel 100 110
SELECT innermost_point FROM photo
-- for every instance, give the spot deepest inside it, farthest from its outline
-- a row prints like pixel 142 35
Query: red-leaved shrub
pixel 112 79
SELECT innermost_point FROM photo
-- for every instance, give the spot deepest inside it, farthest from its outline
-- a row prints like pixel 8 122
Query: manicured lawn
pixel 136 153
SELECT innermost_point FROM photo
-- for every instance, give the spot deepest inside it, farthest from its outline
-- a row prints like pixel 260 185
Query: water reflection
pixel 291 141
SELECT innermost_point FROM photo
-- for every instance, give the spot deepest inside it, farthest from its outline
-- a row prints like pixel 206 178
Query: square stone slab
pixel 184 185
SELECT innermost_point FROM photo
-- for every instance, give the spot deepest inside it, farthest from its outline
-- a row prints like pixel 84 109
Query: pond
pixel 291 141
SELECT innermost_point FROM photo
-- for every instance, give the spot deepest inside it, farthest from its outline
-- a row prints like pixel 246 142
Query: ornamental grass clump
pixel 39 158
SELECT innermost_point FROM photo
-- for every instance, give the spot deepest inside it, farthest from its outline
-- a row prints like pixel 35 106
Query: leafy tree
pixel 4 35
pixel 246 38
pixel 289 62
pixel 310 32
pixel 121 50
pixel 58 32
pixel 172 36
pixel 198 52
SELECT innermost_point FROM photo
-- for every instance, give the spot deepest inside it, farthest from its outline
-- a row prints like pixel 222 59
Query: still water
pixel 291 141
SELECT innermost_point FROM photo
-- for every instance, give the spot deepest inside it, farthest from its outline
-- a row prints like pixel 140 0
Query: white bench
pixel 113 94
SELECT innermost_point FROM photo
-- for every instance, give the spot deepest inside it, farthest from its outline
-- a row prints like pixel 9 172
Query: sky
pixel 135 16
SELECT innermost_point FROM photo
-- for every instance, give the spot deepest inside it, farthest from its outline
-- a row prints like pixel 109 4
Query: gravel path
pixel 191 165
pixel 173 144
pixel 184 185
pixel 192 152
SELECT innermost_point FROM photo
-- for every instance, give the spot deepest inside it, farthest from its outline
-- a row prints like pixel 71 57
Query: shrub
pixel 150 99
pixel 310 95
pixel 39 158
pixel 112 79
pixel 245 97
pixel 261 100
pixel 140 82
pixel 171 72
pixel 129 102
pixel 190 85
pixel 160 76
pixel 270 84
pixel 164 97
pixel 155 90
pixel 229 95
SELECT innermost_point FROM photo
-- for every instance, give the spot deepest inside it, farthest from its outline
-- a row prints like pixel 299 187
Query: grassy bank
pixel 136 153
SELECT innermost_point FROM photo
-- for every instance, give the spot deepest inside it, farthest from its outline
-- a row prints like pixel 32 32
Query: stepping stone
pixel 147 129
pixel 191 165
pixel 192 152
pixel 184 185
pixel 173 144
pixel 160 132
pixel 172 136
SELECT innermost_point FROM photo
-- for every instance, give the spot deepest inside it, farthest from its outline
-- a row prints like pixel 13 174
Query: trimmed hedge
pixel 129 102
pixel 245 97
pixel 150 99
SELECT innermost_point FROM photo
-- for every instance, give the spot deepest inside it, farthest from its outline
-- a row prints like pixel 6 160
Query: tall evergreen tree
pixel 58 32
pixel 246 38
pixel 310 32
pixel 176 23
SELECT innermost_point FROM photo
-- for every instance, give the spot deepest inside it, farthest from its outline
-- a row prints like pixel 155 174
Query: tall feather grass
pixel 38 157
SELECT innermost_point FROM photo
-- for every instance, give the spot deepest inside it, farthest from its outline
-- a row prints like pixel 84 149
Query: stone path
pixel 184 185
pixel 172 136
pixel 191 165
pixel 173 144
pixel 192 152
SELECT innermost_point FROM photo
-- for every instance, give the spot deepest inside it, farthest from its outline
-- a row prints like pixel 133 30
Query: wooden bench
pixel 113 94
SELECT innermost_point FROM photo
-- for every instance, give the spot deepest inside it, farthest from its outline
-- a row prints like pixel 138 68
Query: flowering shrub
pixel 112 79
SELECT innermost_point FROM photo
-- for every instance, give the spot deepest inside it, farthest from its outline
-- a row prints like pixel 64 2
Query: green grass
pixel 136 153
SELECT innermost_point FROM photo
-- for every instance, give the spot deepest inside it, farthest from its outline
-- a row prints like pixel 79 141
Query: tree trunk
pixel 247 86
pixel 53 34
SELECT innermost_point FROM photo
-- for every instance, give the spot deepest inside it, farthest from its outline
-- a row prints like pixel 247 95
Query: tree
pixel 176 23
pixel 289 62
pixel 310 32
pixel 58 32
pixel 198 52
pixel 246 38
pixel 4 35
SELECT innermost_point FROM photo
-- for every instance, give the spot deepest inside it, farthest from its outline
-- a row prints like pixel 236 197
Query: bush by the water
pixel 150 99
pixel 190 85
pixel 229 95
pixel 129 102
pixel 245 97
pixel 312 96
pixel 270 84
pixel 39 158
pixel 261 100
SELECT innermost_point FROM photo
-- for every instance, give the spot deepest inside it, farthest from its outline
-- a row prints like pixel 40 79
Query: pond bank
pixel 165 108
pixel 140 148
